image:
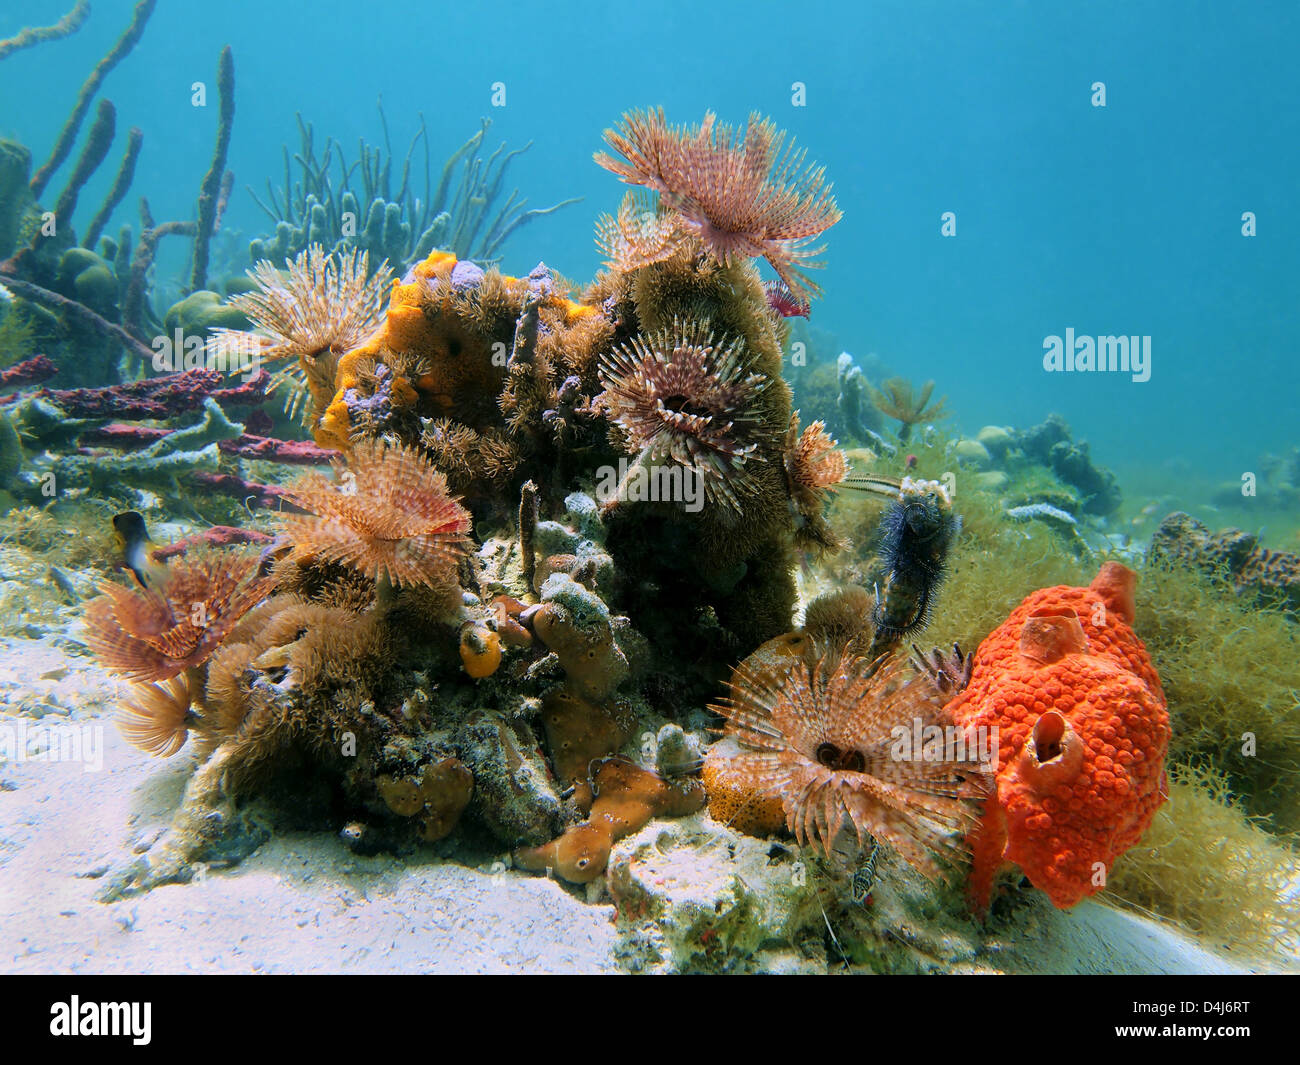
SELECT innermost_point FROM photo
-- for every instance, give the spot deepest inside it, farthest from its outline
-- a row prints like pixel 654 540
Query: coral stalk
pixel 121 184
pixel 130 37
pixel 98 141
pixel 210 190
pixel 33 35
pixel 97 323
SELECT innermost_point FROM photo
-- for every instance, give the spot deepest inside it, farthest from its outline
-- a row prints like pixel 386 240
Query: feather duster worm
pixel 322 308
pixel 684 396
pixel 640 235
pixel 736 192
pixel 830 741
pixel 157 717
pixel 390 518
pixel 814 466
pixel 148 635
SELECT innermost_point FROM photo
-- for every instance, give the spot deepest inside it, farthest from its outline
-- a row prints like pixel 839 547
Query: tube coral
pixel 33 35
pixel 210 190
pixel 130 37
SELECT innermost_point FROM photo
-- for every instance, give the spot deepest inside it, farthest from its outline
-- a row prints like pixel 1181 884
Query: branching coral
pixel 150 635
pixel 826 739
pixel 391 518
pixel 689 398
pixel 402 223
pixel 325 306
pixel 737 193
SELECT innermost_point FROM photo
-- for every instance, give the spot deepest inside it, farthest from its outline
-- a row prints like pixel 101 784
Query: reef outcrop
pixel 1259 575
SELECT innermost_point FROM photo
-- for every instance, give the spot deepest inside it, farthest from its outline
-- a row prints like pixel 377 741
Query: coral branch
pixel 122 183
pixel 28 372
pixel 33 35
pixel 98 141
pixel 81 312
pixel 210 190
pixel 269 449
pixel 155 397
pixel 228 484
pixel 217 536
pixel 133 306
pixel 130 37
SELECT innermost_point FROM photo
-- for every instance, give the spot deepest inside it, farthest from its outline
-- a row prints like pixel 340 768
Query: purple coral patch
pixel 466 276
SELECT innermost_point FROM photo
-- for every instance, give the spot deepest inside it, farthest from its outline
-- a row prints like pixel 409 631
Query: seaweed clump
pixel 1210 867
pixel 1243 721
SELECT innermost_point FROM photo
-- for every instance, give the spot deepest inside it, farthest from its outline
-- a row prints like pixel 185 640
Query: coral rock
pixel 575 624
pixel 1270 577
pixel 577 733
pixel 1082 735
pixel 480 650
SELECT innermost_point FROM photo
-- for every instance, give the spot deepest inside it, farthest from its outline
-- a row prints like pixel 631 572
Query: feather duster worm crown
pixel 157 717
pixel 826 739
pixel 813 463
pixel 683 395
pixel 390 517
pixel 738 193
pixel 321 306
pixel 641 234
pixel 152 635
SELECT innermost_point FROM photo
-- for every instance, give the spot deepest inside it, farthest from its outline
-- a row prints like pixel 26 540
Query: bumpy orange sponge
pixel 1082 733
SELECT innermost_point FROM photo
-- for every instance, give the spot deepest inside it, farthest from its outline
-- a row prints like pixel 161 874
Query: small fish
pixel 132 539
pixel 785 302
pixel 64 584
pixel 864 878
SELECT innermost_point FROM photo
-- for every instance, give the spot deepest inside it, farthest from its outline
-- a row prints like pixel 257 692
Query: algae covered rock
pixel 199 313
pixel 514 793
pixel 695 896
pixel 973 453
pixel 995 440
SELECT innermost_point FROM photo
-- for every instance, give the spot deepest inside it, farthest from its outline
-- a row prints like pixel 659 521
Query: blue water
pixel 1124 219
